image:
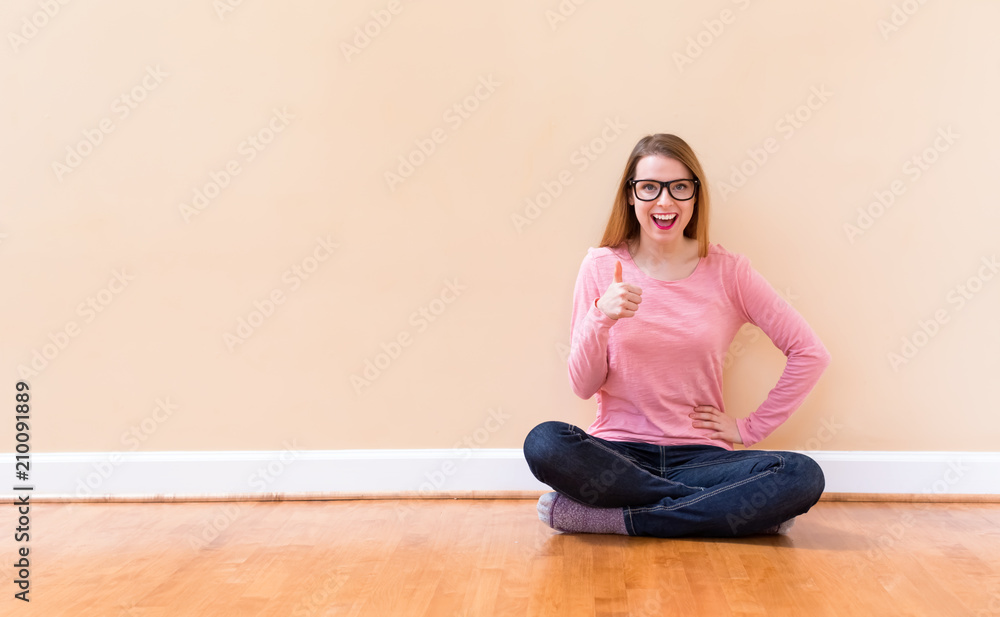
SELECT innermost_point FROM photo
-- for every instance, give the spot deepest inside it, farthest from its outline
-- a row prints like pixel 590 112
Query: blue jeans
pixel 675 491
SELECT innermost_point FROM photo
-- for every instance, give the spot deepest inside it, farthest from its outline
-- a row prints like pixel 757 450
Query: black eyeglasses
pixel 681 190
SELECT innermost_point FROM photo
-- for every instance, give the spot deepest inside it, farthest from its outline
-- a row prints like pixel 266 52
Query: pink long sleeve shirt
pixel 650 370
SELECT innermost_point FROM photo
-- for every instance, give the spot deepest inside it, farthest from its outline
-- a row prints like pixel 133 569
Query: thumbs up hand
pixel 621 299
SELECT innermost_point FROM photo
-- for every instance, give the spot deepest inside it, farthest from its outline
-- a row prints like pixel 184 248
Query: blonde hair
pixel 624 226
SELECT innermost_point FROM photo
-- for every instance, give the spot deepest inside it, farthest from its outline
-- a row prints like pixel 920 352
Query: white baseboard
pixel 293 471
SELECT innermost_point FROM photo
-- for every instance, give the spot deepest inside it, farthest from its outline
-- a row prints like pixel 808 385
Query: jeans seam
pixel 593 440
pixel 715 492
pixel 717 462
pixel 618 454
pixel 634 462
pixel 724 461
pixel 663 471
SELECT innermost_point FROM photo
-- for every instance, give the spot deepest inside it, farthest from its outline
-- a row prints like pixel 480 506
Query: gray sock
pixel 563 514
pixel 781 528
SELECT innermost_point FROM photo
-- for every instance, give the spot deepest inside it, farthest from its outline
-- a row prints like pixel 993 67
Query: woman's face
pixel 657 167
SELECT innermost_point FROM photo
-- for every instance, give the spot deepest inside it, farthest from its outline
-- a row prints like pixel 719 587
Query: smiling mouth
pixel 665 222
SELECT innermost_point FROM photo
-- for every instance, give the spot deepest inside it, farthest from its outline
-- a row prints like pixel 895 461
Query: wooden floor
pixel 464 558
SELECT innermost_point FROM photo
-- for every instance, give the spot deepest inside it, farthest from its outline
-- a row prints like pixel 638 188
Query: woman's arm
pixel 589 330
pixel 789 331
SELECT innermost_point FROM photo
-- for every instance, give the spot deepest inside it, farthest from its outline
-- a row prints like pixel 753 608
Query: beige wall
pixel 541 90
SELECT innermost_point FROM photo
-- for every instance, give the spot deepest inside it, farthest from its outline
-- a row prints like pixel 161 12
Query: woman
pixel 655 309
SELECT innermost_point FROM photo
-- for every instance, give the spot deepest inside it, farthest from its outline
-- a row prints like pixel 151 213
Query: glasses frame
pixel 667 184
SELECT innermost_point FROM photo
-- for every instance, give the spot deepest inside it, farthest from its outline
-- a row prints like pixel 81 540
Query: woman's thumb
pixel 618 272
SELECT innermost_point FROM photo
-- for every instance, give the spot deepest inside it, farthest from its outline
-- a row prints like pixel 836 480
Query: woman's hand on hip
pixel 721 426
